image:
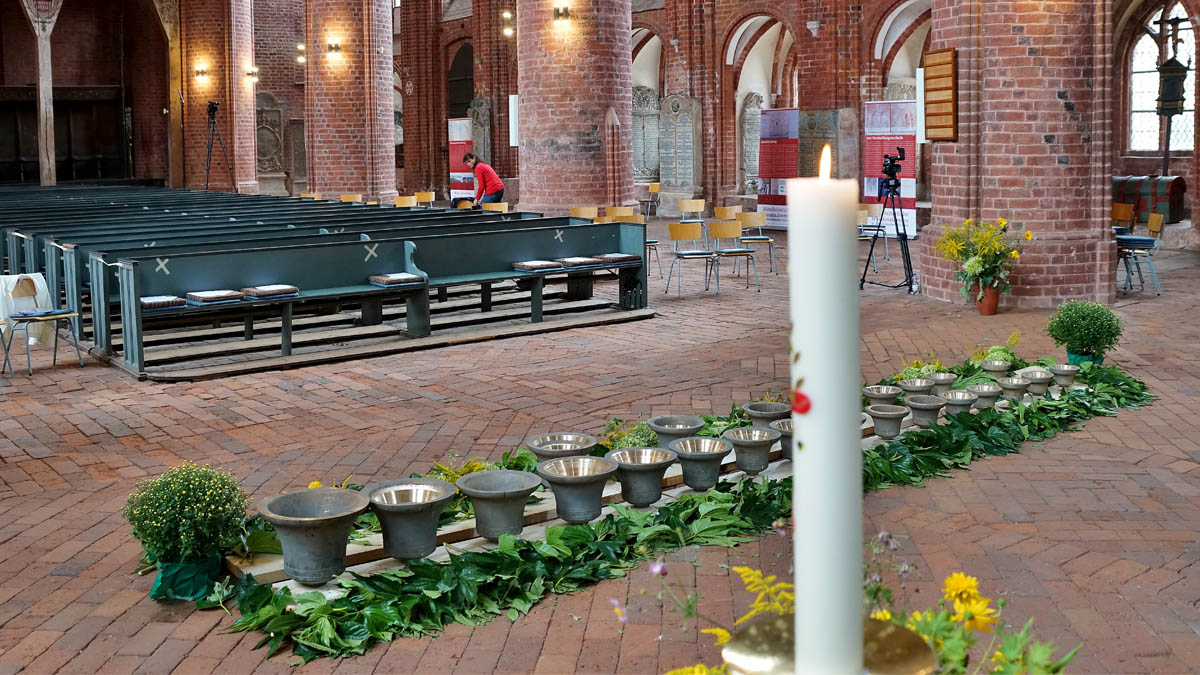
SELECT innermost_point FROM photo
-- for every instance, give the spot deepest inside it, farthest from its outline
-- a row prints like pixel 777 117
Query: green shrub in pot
pixel 1088 330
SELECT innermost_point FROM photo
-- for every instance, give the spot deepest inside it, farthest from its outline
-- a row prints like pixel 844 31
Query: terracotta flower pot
pixel 991 299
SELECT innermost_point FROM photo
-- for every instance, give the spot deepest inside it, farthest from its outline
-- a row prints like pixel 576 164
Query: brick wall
pixel 570 78
pixel 85 45
pixel 422 74
pixel 219 35
pixel 348 98
pixel 496 76
pixel 1034 142
pixel 278 28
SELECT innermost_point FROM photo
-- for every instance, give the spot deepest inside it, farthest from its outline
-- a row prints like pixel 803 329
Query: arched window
pixel 1147 131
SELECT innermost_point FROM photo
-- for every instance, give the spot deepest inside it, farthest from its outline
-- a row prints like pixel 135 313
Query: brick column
pixel 495 71
pixel 576 105
pixel 1034 143
pixel 348 98
pixel 219 37
pixel 422 81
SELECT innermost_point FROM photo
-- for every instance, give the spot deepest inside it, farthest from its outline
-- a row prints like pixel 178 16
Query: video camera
pixel 213 105
pixel 891 169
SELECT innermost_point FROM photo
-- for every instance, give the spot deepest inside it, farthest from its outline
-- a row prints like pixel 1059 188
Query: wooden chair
pixel 25 288
pixel 1122 216
pixel 863 222
pixel 875 212
pixel 693 206
pixel 651 244
pixel 310 195
pixel 425 199
pixel 726 212
pixel 631 218
pixel 349 199
pixel 695 248
pixel 616 212
pixel 731 231
pixel 1138 253
pixel 752 224
pixel 499 207
pixel 589 212
pixel 600 220
pixel 464 205
pixel 406 201
pixel 651 202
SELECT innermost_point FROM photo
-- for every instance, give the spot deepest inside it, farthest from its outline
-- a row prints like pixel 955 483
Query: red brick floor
pixel 1092 533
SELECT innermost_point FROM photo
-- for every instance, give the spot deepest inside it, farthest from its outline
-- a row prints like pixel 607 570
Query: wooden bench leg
pixel 417 315
pixel 372 312
pixel 535 299
pixel 248 332
pixel 579 286
pixel 285 348
pixel 485 297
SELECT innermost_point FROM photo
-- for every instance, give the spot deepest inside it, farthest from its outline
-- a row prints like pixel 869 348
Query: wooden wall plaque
pixel 941 95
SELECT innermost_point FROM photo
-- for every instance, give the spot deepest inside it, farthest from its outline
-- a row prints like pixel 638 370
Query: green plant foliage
pixel 619 434
pixel 1085 327
pixel 423 597
pixel 715 426
pixel 925 453
pixel 186 513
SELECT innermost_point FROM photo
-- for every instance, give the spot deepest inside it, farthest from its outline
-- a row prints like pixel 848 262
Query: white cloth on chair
pixel 40 332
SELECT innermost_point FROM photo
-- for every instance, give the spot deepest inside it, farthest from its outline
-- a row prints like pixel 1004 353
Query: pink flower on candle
pixel 801 404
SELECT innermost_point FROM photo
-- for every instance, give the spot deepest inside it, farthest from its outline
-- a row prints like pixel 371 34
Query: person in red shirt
pixel 489 189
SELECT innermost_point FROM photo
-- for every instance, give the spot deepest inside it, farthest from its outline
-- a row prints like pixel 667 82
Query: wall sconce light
pixel 300 53
pixel 561 14
pixel 335 47
pixel 506 23
pixel 201 73
pixel 252 75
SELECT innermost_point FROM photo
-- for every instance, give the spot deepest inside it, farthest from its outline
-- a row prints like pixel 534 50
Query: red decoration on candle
pixel 800 402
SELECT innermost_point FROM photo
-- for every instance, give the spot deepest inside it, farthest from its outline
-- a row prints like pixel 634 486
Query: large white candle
pixel 827 470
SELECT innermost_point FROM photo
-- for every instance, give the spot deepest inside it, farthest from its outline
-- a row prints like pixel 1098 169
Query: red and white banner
pixel 888 125
pixel 778 160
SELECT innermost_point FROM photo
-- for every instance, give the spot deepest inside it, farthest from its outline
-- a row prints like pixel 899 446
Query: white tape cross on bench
pixel 558 235
pixel 162 266
pixel 370 249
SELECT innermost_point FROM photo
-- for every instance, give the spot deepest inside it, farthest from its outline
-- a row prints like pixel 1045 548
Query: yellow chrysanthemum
pixel 959 587
pixel 968 221
pixel 882 615
pixel 976 614
pixel 315 484
pixel 1015 255
pixel 721 634
pixel 1001 222
pixel 1028 235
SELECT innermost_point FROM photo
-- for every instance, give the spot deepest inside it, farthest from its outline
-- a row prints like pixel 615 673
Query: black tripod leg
pixel 208 156
pixel 228 166
pixel 863 280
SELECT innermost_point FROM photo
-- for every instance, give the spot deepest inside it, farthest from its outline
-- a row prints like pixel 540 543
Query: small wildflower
pixel 616 604
pixel 658 569
pixel 1028 235
pixel 1016 255
pixel 780 527
pixel 882 615
pixel 315 484
pixel 721 634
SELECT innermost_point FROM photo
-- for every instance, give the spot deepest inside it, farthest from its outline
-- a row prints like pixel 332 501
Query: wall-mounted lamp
pixel 506 23
pixel 335 47
pixel 252 75
pixel 301 56
pixel 562 14
pixel 201 72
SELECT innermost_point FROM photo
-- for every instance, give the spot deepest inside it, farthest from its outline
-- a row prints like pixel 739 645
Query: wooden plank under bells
pixel 268 568
pixel 481 334
pixel 535 531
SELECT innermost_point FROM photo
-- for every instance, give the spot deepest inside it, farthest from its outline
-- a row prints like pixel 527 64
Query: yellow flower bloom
pixel 968 221
pixel 721 634
pixel 959 587
pixel 315 484
pixel 1028 235
pixel 882 615
pixel 1001 222
pixel 1016 255
pixel 976 614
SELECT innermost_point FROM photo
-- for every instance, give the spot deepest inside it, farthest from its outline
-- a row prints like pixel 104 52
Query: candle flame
pixel 826 162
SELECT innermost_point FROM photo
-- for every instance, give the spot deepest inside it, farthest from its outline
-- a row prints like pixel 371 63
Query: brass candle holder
pixel 766 647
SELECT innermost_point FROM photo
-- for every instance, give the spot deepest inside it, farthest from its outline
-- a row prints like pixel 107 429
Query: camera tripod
pixel 215 133
pixel 892 201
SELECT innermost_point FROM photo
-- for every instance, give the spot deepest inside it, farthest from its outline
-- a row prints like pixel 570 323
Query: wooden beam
pixel 42 16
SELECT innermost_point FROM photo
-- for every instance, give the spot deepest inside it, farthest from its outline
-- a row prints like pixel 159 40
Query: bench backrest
pixel 453 255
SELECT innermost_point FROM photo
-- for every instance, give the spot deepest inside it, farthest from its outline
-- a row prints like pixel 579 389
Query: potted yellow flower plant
pixel 985 254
